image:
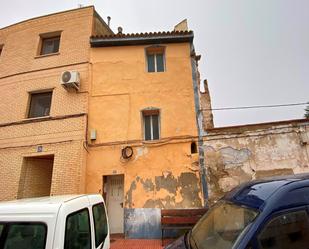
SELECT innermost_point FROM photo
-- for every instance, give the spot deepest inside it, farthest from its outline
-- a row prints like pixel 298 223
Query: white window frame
pixel 148 51
pixel 155 62
pixel 151 127
pixel 144 114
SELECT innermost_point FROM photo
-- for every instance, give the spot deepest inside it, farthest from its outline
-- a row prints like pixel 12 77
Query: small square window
pixel 155 59
pixel 151 124
pixel 39 104
pixel 50 45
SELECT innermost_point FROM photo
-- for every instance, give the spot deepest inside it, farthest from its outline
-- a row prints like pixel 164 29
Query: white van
pixel 56 222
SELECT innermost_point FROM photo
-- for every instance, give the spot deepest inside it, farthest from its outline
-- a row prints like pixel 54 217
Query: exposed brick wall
pixel 15 93
pixel 100 28
pixel 22 71
pixel 35 177
pixel 21 41
pixel 20 140
pixel 67 167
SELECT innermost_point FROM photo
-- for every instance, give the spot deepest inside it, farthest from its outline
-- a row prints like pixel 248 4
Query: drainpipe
pixel 199 123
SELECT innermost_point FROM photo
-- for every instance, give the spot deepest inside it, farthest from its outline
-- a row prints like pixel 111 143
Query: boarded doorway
pixel 36 176
pixel 113 190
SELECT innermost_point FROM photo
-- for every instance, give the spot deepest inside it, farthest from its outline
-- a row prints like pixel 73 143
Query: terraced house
pixel 145 127
pixel 43 110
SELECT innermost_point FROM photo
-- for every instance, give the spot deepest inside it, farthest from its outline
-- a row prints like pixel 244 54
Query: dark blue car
pixel 263 214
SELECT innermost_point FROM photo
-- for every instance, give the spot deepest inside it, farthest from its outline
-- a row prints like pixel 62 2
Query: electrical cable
pixel 253 107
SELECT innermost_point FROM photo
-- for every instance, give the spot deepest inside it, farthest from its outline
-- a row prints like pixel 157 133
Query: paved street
pixel 120 243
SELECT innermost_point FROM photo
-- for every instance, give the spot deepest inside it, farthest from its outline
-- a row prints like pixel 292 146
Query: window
pixel 1 48
pixel 50 45
pixel 77 230
pixel 286 231
pixel 100 223
pixel 24 235
pixel 155 59
pixel 39 104
pixel 151 124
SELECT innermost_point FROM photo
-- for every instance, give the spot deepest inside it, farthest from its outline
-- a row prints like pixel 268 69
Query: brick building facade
pixel 42 125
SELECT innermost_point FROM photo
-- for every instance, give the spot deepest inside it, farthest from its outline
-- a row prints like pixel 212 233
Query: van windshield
pixel 23 235
pixel 221 226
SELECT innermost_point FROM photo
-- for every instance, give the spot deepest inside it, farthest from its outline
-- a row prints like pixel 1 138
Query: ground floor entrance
pixel 113 187
pixel 36 176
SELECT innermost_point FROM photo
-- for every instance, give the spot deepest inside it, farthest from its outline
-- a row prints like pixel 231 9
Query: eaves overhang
pixel 130 40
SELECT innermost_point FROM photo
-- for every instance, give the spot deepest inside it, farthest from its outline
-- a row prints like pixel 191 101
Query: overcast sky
pixel 254 52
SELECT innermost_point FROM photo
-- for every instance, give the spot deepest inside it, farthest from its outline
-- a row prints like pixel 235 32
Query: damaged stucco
pixel 238 154
pixel 162 173
pixel 166 191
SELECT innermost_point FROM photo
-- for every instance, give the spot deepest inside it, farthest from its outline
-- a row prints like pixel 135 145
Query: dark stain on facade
pixel 167 202
pixel 128 198
pixel 187 184
pixel 168 183
pixel 148 185
pixel 189 190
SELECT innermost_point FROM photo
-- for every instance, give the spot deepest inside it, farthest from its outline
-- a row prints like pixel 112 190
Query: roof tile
pixel 146 34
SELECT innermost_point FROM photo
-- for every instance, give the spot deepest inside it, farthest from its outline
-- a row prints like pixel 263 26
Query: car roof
pixel 259 193
pixel 47 204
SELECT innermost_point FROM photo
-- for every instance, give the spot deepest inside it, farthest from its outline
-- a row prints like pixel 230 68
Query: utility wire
pixel 252 107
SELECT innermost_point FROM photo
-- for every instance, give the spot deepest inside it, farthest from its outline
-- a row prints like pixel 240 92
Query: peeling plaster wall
pixel 235 155
pixel 155 177
pixel 160 174
pixel 164 176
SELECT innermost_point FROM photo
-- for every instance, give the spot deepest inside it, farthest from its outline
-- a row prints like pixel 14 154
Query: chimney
pixel 119 30
pixel 109 20
pixel 182 26
pixel 205 102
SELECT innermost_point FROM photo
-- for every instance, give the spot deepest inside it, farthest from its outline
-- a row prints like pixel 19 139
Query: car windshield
pixel 220 227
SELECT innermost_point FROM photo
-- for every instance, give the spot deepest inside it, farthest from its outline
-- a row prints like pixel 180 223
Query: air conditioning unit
pixel 70 80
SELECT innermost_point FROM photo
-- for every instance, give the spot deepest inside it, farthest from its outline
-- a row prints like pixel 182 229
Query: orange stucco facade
pixel 161 173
